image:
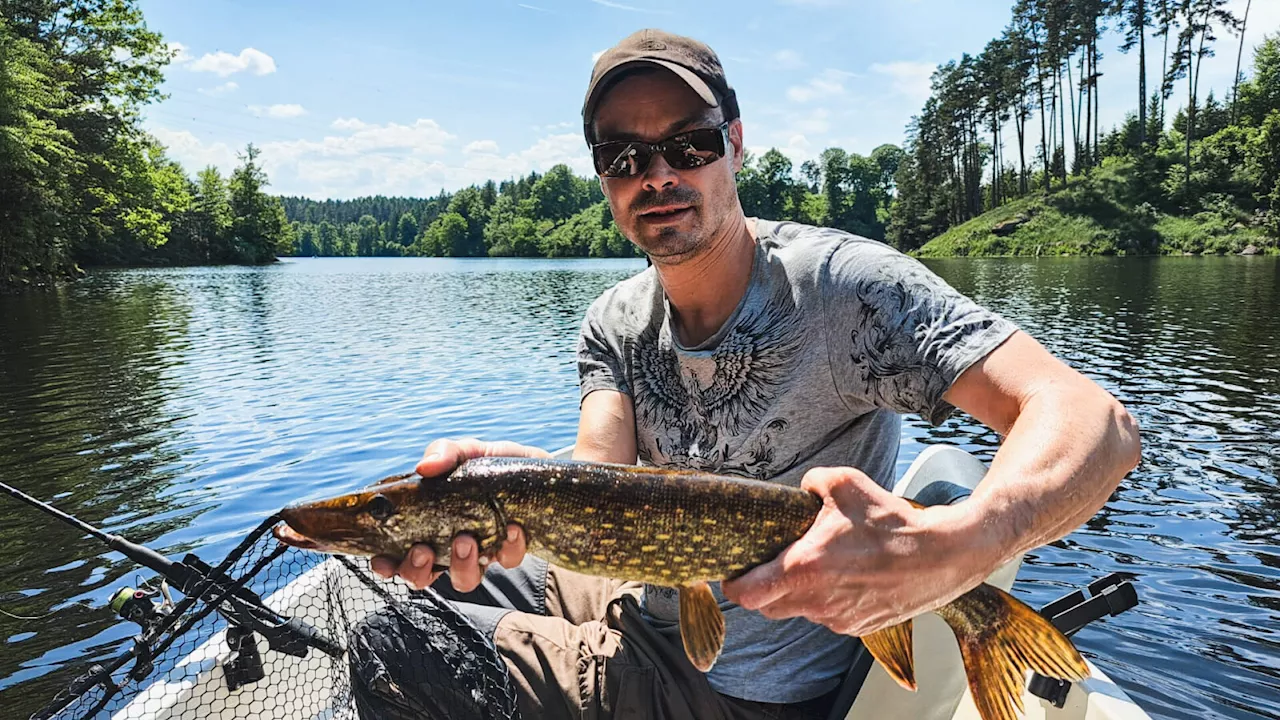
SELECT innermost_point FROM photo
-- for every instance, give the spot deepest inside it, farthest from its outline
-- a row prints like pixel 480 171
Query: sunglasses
pixel 684 151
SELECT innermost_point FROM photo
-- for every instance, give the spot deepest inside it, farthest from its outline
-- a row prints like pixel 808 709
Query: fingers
pixel 761 586
pixel 513 548
pixel 442 456
pixel 465 571
pixel 416 568
pixel 842 484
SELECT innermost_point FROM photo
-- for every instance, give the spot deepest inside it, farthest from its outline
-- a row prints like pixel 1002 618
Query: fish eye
pixel 380 507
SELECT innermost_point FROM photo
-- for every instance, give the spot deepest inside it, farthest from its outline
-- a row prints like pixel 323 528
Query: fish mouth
pixel 287 535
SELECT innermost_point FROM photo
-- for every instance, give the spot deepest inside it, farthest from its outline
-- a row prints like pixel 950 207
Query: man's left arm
pixel 872 560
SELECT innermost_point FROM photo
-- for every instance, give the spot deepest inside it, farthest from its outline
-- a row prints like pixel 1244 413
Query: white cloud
pixel 194 155
pixel 223 89
pixel 288 110
pixel 596 56
pixel 423 137
pixel 533 7
pixel 827 84
pixel 224 63
pixel 910 78
pixel 481 146
pixel 619 6
pixel 348 124
pixel 361 158
pixel 788 59
pixel 178 53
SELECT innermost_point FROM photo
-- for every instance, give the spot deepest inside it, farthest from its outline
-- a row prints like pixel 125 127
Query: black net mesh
pixel 391 652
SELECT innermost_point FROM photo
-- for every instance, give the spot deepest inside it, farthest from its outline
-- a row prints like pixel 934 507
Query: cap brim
pixel 688 76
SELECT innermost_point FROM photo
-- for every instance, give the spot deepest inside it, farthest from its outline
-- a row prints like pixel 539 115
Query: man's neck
pixel 705 289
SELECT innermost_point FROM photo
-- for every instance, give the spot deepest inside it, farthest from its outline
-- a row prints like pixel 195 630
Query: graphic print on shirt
pixel 695 416
pixel 887 339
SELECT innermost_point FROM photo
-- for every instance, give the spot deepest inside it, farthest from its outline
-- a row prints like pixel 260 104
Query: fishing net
pixel 322 663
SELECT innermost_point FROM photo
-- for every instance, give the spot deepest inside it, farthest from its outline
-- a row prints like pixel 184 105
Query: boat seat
pixel 941 474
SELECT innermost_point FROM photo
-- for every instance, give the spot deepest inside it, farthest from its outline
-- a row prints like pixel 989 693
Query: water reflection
pixel 182 406
pixel 1190 346
pixel 84 378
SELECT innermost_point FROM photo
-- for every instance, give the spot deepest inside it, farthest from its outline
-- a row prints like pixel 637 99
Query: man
pixel 781 352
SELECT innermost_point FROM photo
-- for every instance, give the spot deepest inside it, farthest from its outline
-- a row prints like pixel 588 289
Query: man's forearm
pixel 1067 450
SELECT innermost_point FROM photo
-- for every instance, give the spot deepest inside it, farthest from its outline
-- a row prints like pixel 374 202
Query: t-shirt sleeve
pixel 599 362
pixel 898 334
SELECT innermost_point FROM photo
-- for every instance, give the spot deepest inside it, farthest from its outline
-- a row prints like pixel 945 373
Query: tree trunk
pixel 1075 111
pixel 1044 147
pixel 1194 80
pixel 1062 109
pixel 1093 95
pixel 1235 83
pixel 1164 66
pixel 1020 125
pixel 1191 119
pixel 1142 74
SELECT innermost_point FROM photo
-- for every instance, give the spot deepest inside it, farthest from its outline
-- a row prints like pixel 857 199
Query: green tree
pixel 368 236
pixel 258 225
pixel 211 222
pixel 447 236
pixel 1260 95
pixel 559 194
pixel 407 230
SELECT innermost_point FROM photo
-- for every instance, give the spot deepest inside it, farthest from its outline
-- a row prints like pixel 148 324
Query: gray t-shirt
pixel 835 336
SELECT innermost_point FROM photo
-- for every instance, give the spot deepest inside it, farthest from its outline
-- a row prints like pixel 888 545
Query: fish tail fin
pixel 891 647
pixel 701 625
pixel 1001 639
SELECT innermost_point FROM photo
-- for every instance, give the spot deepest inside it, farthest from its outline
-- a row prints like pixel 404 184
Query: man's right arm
pixel 606 428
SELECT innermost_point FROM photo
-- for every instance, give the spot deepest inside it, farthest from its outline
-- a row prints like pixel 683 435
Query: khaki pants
pixel 581 650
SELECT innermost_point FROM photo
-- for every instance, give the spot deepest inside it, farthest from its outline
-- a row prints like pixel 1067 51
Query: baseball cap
pixel 690 60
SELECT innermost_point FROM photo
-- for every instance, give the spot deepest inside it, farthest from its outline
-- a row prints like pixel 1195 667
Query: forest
pixel 81 183
pixel 1008 156
pixel 561 215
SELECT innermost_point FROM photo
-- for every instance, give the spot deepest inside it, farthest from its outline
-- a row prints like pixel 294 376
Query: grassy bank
pixel 1102 214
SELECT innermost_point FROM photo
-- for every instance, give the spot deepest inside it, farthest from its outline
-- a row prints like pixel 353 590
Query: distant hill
pixel 1103 213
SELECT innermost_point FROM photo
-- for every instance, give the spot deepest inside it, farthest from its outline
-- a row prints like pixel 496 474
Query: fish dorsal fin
pixel 1001 639
pixel 701 625
pixel 392 479
pixel 891 647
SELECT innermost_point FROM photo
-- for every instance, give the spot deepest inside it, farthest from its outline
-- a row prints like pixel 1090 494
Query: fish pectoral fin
pixel 891 647
pixel 1001 639
pixel 701 625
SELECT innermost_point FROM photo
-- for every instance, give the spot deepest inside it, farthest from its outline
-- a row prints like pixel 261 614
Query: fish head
pixel 390 517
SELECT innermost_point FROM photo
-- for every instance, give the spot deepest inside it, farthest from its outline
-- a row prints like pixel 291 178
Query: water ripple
pixel 181 406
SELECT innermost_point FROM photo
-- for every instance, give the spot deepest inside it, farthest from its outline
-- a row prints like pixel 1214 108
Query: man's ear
pixel 735 139
pixel 600 179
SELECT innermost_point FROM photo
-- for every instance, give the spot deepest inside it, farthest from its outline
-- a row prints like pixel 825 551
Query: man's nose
pixel 659 175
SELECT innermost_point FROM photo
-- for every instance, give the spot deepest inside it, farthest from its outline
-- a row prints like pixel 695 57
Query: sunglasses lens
pixel 683 152
pixel 621 159
pixel 694 149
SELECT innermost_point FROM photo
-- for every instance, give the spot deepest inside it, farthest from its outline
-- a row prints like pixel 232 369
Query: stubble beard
pixel 671 244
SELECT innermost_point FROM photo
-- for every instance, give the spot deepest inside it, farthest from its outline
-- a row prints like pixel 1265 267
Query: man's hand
pixel 869 561
pixel 466 564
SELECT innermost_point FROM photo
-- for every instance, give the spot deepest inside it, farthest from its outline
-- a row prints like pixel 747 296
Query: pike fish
pixel 671 528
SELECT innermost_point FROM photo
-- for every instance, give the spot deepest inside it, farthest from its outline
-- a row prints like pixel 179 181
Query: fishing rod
pixel 243 609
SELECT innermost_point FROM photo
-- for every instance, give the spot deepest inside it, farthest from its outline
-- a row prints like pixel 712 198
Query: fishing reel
pixel 140 605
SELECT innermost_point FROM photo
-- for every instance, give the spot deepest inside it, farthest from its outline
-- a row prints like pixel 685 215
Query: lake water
pixel 181 407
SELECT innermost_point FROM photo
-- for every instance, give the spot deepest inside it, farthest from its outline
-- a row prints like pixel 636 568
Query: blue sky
pixel 408 98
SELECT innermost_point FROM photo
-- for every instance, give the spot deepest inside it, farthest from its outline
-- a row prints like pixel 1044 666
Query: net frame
pixel 185 665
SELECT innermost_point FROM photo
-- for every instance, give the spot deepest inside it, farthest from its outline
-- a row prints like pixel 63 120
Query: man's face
pixel 669 213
